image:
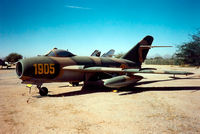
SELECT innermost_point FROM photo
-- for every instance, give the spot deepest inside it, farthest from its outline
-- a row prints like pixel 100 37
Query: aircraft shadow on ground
pixel 84 90
pixel 128 90
pixel 145 89
pixel 69 86
pixel 7 68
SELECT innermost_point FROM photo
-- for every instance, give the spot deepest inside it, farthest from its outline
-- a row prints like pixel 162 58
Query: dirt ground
pixel 158 104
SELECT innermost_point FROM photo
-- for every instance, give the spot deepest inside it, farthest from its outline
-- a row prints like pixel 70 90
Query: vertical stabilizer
pixel 139 52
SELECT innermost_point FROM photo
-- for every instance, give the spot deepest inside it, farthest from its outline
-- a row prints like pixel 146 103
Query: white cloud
pixel 77 7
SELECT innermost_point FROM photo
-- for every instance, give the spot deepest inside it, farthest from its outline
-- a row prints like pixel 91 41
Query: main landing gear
pixel 42 90
pixel 75 84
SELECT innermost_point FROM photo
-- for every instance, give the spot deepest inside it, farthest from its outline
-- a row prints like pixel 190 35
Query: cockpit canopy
pixel 59 53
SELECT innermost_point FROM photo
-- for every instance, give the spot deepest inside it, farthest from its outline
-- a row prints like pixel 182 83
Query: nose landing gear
pixel 42 90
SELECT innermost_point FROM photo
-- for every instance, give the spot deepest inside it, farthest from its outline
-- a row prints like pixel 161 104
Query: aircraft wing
pixel 120 70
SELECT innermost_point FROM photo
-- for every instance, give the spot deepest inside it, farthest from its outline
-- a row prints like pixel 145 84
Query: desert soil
pixel 158 104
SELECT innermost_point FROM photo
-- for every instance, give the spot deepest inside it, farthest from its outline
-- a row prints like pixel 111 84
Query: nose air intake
pixel 19 69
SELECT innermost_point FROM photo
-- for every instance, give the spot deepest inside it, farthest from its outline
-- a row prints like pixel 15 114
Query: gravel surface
pixel 158 104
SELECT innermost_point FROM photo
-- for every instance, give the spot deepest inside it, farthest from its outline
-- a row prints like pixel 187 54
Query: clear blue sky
pixel 32 27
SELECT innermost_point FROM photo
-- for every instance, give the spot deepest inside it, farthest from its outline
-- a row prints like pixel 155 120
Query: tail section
pixel 96 53
pixel 139 52
pixel 110 53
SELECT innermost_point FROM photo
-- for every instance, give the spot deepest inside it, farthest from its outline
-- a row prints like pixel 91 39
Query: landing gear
pixel 75 84
pixel 42 90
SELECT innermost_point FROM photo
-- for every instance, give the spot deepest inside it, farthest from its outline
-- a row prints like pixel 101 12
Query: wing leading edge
pixel 120 70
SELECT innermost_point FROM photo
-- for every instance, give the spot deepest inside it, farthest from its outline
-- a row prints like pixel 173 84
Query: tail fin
pixel 138 53
pixel 110 53
pixel 96 53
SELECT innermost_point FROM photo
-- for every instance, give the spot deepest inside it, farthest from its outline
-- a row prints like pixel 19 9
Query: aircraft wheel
pixel 75 84
pixel 43 91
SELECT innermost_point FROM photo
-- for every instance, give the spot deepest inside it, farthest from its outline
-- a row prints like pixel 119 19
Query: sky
pixel 33 27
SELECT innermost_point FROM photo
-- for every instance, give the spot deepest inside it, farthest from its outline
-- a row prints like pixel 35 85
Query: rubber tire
pixel 43 91
pixel 75 84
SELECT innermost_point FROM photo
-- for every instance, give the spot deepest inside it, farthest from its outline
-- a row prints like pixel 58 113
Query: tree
pixel 158 58
pixel 189 52
pixel 13 57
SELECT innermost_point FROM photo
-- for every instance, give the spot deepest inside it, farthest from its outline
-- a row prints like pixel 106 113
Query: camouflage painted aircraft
pixel 63 66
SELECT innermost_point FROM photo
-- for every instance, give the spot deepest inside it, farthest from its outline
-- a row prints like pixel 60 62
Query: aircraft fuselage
pixel 45 69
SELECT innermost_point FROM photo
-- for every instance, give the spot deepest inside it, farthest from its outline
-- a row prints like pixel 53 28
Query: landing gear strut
pixel 42 90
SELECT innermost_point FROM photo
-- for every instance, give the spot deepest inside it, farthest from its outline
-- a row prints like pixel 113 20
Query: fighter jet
pixel 110 53
pixel 97 53
pixel 63 66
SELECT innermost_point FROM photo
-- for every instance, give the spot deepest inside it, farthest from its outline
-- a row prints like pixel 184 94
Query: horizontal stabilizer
pixel 144 46
pixel 148 69
pixel 159 72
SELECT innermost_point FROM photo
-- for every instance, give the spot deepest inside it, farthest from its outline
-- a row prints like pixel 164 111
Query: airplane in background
pixel 63 66
pixel 97 53
pixel 110 53
pixel 4 63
